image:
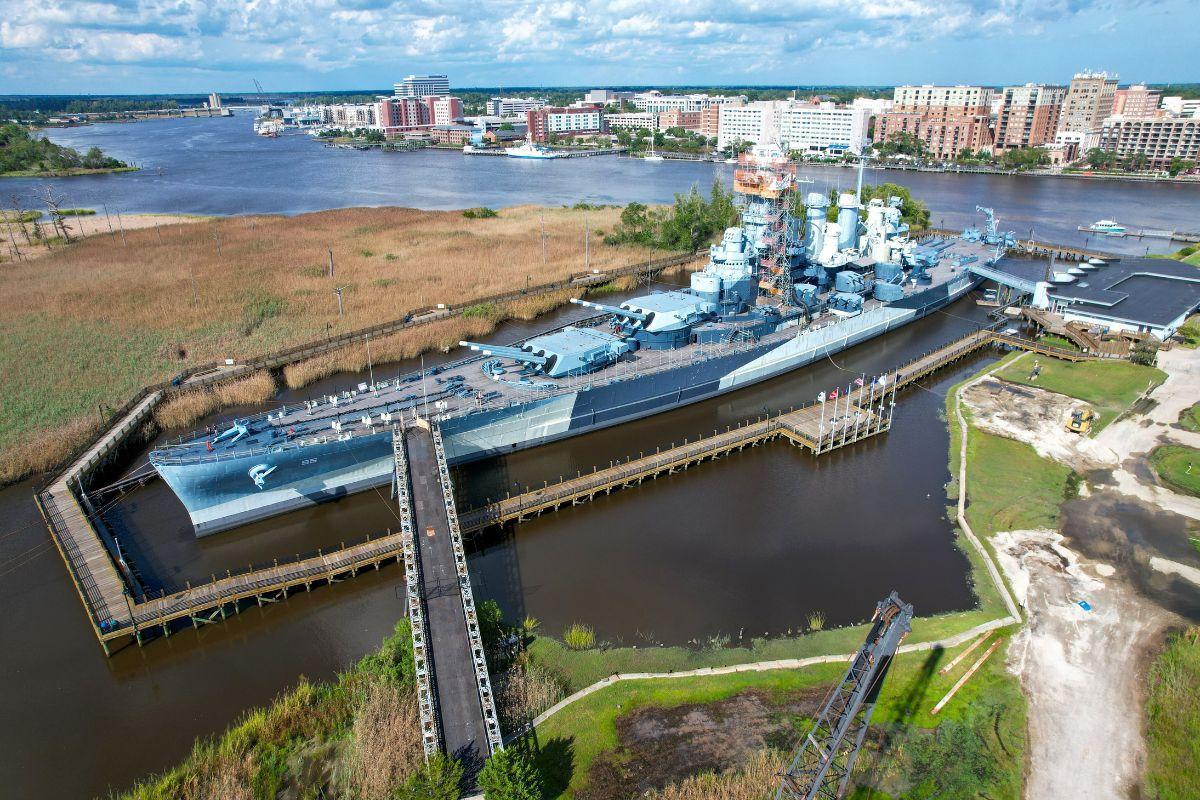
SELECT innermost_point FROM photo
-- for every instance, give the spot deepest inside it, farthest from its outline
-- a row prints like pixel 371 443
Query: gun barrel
pixel 516 354
pixel 620 312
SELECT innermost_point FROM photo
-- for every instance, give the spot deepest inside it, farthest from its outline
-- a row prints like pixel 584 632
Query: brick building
pixel 1028 116
pixel 948 119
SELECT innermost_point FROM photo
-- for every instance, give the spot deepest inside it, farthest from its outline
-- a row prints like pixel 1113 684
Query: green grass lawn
pixel 590 724
pixel 1109 387
pixel 1178 467
pixel 1189 419
pixel 1173 719
pixel 1058 341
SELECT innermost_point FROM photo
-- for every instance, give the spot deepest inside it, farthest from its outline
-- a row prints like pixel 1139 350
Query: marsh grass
pixel 184 408
pixel 757 779
pixel 90 324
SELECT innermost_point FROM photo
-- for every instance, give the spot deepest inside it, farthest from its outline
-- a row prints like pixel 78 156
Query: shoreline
pixel 80 172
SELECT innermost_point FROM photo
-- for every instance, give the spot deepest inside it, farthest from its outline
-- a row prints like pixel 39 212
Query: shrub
pixel 579 637
pixel 439 779
pixel 816 620
pixel 394 660
pixel 77 212
pixel 510 775
pixel 483 212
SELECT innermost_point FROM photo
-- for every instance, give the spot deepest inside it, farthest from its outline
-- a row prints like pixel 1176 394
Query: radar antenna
pixel 822 764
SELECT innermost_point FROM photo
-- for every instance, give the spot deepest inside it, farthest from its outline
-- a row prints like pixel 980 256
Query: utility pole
pixel 338 292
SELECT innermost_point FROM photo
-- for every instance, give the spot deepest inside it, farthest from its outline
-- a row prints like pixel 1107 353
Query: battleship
pixel 777 293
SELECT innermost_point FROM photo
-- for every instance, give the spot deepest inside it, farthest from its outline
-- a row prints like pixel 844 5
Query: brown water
pixel 744 546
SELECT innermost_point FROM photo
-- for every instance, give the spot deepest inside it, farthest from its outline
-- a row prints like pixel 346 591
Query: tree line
pixel 21 151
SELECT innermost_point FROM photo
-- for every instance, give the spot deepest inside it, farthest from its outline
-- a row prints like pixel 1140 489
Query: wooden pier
pixel 120 612
pixel 818 427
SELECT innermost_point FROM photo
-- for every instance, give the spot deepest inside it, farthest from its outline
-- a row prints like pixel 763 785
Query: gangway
pixel 822 764
pixel 458 715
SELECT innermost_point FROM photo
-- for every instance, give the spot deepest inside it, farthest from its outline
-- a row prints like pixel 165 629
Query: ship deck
pixel 462 387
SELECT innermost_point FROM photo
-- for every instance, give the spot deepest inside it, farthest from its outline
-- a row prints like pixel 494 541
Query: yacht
pixel 1108 227
pixel 531 149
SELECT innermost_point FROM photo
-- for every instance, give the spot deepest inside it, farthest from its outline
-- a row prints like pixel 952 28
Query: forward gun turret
pixel 636 316
pixel 515 353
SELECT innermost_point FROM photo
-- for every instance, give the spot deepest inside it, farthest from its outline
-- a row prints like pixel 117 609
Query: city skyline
pixel 144 46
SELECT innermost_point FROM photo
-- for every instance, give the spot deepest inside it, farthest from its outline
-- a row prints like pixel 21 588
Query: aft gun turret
pixel 636 316
pixel 515 353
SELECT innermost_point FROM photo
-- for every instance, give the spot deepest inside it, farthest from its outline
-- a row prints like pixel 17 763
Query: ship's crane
pixel 825 756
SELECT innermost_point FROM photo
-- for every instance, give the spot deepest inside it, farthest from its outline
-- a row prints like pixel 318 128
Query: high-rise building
pixel 807 127
pixel 1136 102
pixel 657 102
pixel 948 119
pixel 1028 115
pixel 1159 139
pixel 575 121
pixel 1089 100
pixel 423 86
pixel 513 106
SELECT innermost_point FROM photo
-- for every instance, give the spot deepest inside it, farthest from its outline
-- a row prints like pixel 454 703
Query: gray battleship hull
pixel 221 494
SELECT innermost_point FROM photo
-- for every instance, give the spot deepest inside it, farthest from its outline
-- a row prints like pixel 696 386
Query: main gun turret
pixel 636 316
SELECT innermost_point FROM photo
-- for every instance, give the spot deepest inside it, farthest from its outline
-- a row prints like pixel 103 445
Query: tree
pixel 912 211
pixel 1100 159
pixel 510 775
pixel 1179 165
pixel 506 126
pixel 1022 158
pixel 1145 352
pixel 438 779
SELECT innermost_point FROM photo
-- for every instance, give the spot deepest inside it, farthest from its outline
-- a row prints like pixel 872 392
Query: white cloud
pixel 636 38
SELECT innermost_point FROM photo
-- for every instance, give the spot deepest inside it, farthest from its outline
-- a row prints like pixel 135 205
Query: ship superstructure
pixel 769 300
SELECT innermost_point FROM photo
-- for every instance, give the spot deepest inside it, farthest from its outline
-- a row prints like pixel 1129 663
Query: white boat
pixel 531 150
pixel 652 156
pixel 1107 226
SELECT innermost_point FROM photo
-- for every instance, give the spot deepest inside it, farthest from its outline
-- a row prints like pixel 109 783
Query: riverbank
pixel 74 172
pixel 111 313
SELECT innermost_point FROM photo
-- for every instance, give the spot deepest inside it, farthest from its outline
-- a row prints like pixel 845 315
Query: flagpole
pixel 821 428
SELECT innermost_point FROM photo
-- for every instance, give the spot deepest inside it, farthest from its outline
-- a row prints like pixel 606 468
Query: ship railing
pixel 478 653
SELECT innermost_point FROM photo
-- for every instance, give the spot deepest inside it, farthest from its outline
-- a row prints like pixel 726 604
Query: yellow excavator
pixel 1081 420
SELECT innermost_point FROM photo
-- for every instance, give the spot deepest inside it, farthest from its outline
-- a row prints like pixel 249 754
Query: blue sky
pixel 131 46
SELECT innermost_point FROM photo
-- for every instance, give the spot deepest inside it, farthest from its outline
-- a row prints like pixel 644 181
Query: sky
pixel 144 46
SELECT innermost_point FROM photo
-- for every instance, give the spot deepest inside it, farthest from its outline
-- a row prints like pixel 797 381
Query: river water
pixel 744 547
pixel 218 166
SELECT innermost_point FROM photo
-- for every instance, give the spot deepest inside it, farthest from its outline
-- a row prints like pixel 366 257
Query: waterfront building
pixel 688 120
pixel 632 121
pixel 351 116
pixel 794 125
pixel 1140 295
pixel 1089 100
pixel 444 110
pixel 710 118
pixel 1136 102
pixel 1159 139
pixel 514 106
pixel 823 128
pixel 457 135
pixel 214 100
pixel 948 119
pixel 554 121
pixel 423 86
pixel 1028 116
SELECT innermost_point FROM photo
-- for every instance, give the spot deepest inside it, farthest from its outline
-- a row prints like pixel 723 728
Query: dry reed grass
pixel 179 295
pixel 188 406
pixel 440 335
pixel 43 448
pixel 386 741
pixel 755 780
pixel 525 690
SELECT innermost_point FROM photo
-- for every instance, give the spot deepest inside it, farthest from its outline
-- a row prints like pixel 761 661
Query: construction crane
pixel 825 756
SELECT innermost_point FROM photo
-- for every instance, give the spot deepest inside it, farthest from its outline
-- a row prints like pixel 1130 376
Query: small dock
pixel 1145 233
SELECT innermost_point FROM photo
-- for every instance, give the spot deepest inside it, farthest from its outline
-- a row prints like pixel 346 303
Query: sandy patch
pixel 97 225
pixel 1081 669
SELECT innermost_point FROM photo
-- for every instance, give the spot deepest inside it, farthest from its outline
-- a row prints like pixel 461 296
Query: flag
pixel 858 381
pixel 833 395
pixel 821 397
pixel 883 379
